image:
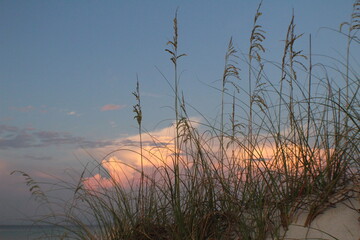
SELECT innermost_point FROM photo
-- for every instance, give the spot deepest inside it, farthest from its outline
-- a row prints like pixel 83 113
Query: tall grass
pixel 293 145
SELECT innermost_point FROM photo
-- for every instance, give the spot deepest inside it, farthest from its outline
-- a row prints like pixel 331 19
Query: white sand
pixel 341 221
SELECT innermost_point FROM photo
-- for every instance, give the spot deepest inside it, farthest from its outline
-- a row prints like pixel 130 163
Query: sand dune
pixel 339 221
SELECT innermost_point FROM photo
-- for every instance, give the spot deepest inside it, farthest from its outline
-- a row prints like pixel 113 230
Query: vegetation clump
pixel 292 145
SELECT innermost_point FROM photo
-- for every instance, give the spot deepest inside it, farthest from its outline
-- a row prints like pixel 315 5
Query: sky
pixel 68 70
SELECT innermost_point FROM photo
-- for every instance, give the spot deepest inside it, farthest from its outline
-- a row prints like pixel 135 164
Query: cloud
pixel 117 172
pixel 113 124
pixel 12 137
pixel 111 107
pixel 37 158
pixel 7 128
pixel 97 144
pixel 124 164
pixel 22 109
pixel 73 113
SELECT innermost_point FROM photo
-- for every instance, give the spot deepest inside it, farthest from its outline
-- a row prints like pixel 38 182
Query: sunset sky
pixel 68 70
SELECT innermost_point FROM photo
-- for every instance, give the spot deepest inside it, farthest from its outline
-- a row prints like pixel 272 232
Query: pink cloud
pixel 123 166
pixel 111 107
pixel 119 173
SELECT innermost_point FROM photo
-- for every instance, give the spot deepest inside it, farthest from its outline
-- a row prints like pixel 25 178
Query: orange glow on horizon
pixel 124 166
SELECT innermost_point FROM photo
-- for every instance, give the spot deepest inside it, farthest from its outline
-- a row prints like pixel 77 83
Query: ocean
pixel 30 232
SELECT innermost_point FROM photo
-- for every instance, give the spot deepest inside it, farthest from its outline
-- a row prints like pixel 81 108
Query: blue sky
pixel 68 70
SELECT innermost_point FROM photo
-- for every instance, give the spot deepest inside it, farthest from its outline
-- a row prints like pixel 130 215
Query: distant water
pixel 30 232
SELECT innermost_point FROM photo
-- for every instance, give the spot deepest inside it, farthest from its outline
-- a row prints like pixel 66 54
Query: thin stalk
pixel 353 28
pixel 309 90
pixel 174 57
pixel 230 70
pixel 137 110
pixel 256 39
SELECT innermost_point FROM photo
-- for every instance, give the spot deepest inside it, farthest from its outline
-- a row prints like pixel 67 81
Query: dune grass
pixel 292 145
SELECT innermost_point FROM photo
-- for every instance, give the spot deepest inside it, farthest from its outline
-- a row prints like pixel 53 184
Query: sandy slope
pixel 340 221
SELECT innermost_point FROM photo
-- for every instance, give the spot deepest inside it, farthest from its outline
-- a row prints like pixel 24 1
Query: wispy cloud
pixel 38 158
pixel 111 107
pixel 45 109
pixel 113 124
pixel 73 113
pixel 28 108
pixel 12 137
